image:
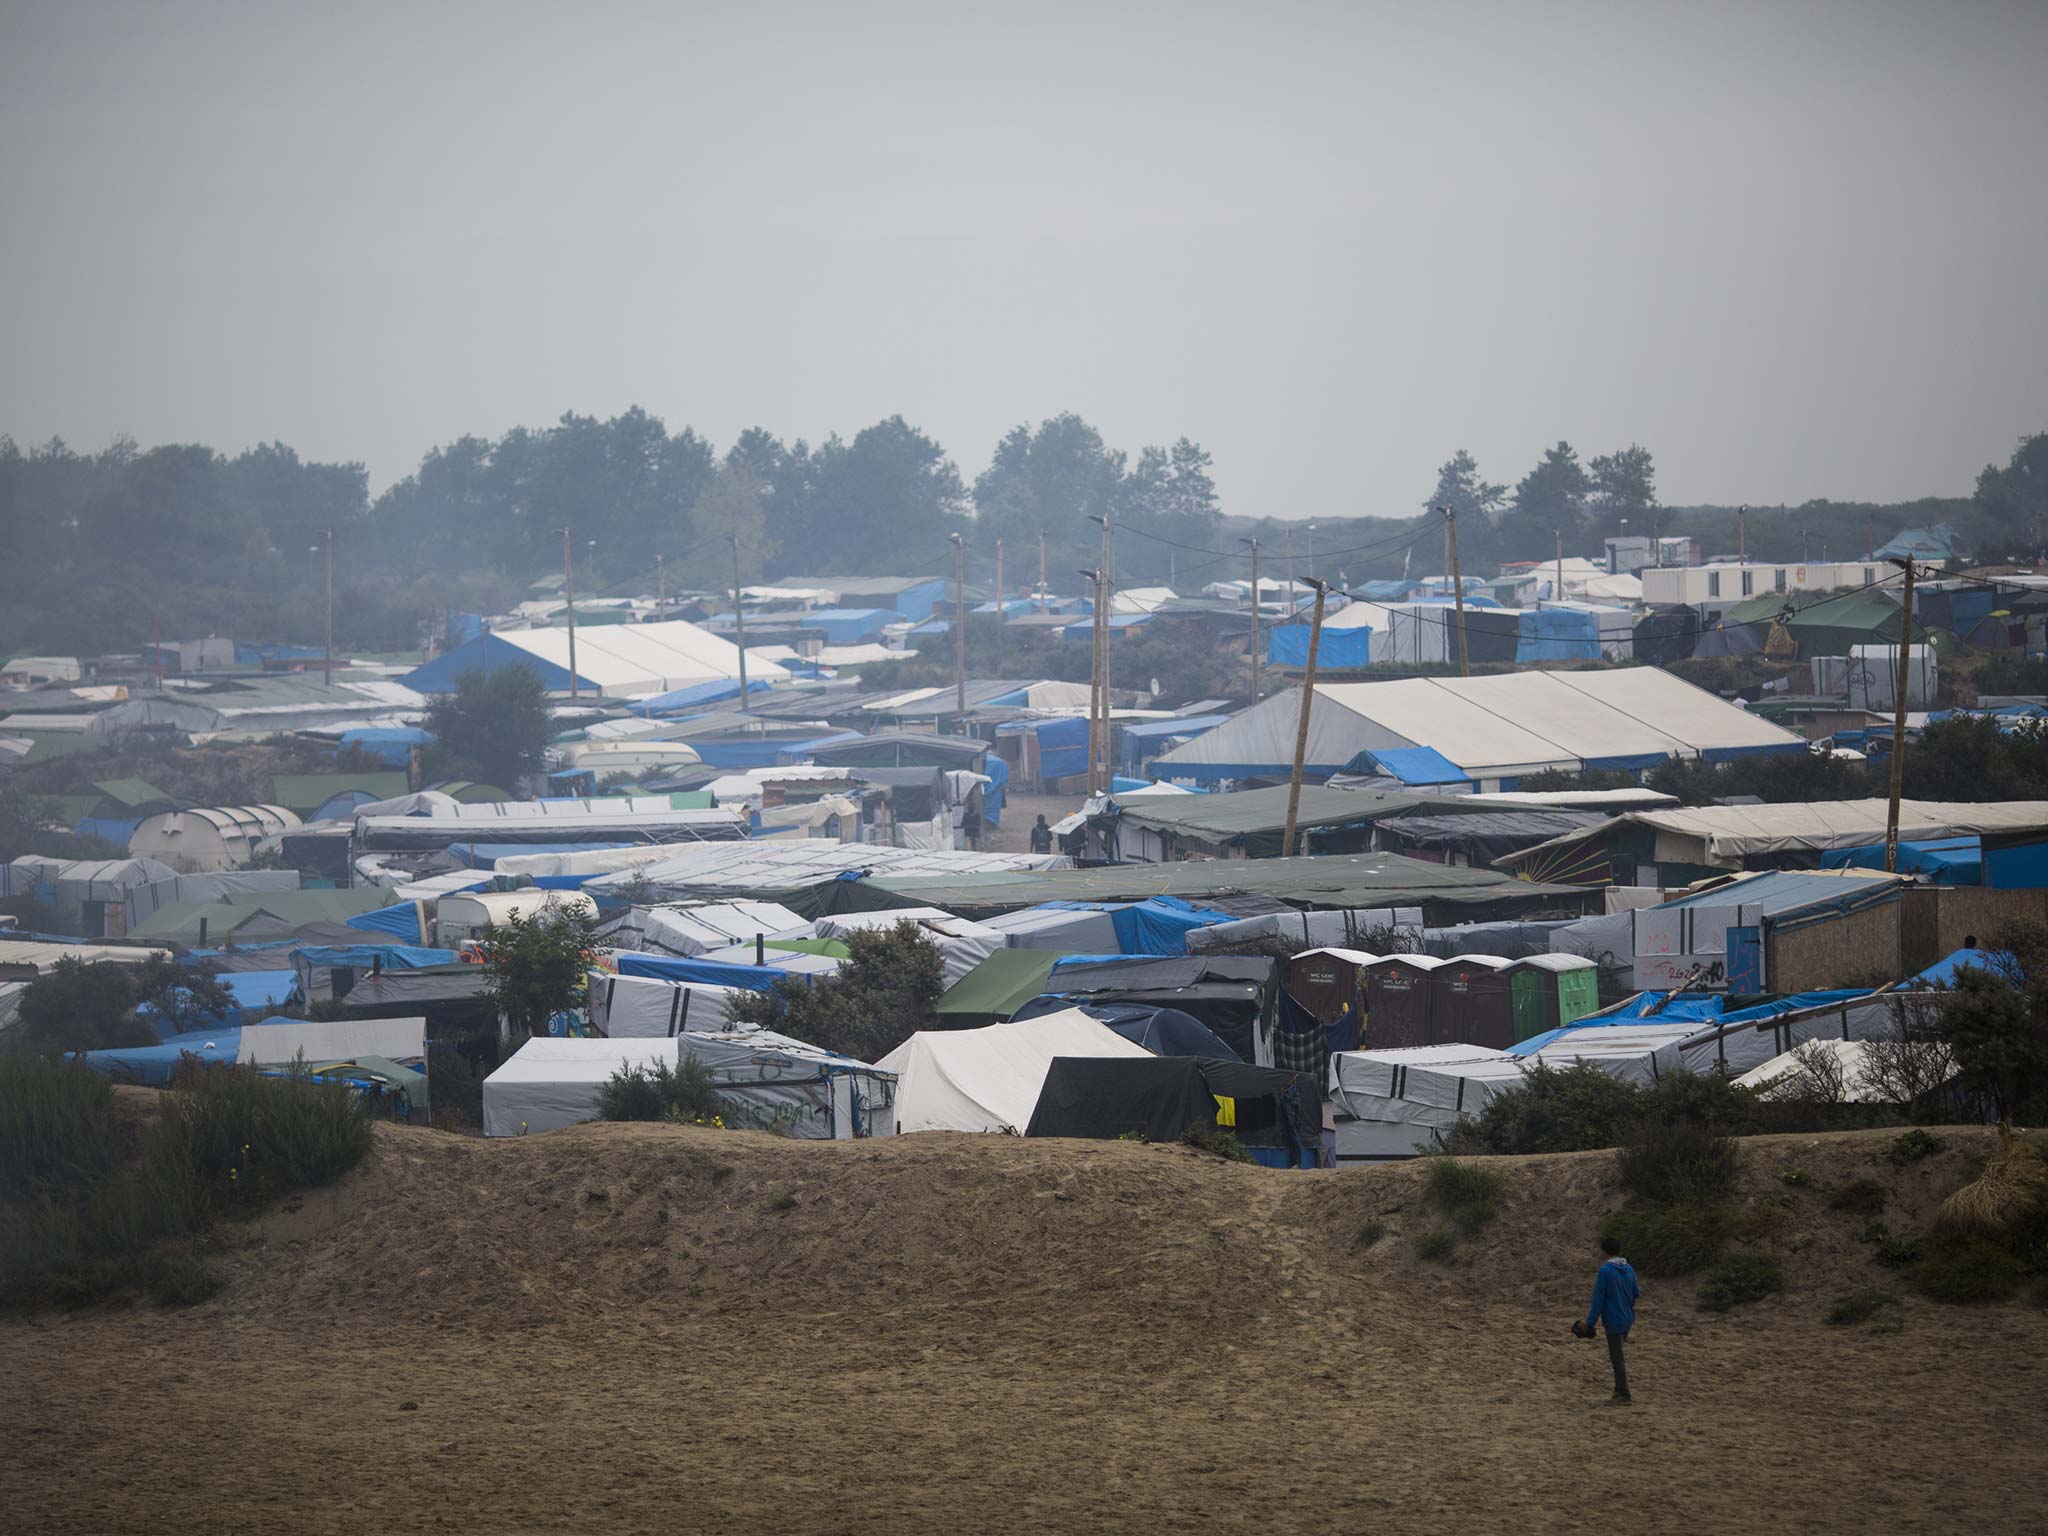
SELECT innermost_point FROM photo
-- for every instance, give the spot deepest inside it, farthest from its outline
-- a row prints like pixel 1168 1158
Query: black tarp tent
pixel 1230 995
pixel 1162 1098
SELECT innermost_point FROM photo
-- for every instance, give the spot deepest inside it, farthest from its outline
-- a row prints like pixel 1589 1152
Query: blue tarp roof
pixel 486 855
pixel 1156 926
pixel 393 957
pixel 156 1065
pixel 486 653
pixel 695 696
pixel 1692 1007
pixel 1188 725
pixel 1943 972
pixel 390 745
pixel 1411 765
pixel 1339 650
pixel 849 626
pixel 1946 860
pixel 258 989
pixel 712 973
pixel 402 921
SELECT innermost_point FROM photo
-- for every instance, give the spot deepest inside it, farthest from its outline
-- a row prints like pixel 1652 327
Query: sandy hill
pixel 648 1328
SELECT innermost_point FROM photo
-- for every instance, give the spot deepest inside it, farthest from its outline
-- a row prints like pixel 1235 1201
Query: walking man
pixel 1614 1308
pixel 1041 836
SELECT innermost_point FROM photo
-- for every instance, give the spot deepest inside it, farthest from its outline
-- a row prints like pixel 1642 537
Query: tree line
pixel 110 546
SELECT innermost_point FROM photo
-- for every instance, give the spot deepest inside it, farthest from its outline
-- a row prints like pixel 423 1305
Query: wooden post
pixel 1891 820
pixel 327 666
pixel 999 581
pixel 1458 588
pixel 1041 570
pixel 739 618
pixel 1558 595
pixel 569 596
pixel 1258 649
pixel 960 629
pixel 1308 695
pixel 1742 534
pixel 661 579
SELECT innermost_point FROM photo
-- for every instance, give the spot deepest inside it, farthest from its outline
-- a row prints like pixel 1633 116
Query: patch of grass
pixel 1218 1143
pixel 1678 1161
pixel 1437 1245
pixel 179 1279
pixel 1859 1197
pixel 1739 1279
pixel 1859 1306
pixel 246 1136
pixel 1797 1178
pixel 1468 1195
pixel 1966 1270
pixel 1913 1146
pixel 1874 1232
pixel 1370 1233
pixel 1898 1252
pixel 720 1172
pixel 782 1204
pixel 1671 1239
pixel 2006 1198
pixel 57 1126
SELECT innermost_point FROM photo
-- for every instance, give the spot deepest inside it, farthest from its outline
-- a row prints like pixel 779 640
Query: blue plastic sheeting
pixel 266 990
pixel 710 973
pixel 1062 747
pixel 1287 646
pixel 486 855
pixel 695 696
pixel 393 957
pixel 1946 860
pixel 156 1065
pixel 464 627
pixel 849 626
pixel 1556 634
pixel 486 653
pixel 1158 925
pixel 917 602
pixel 1209 773
pixel 390 745
pixel 2021 867
pixel 1162 1031
pixel 1943 972
pixel 106 829
pixel 1146 739
pixel 402 921
pixel 1693 1007
pixel 256 655
pixel 1390 591
pixel 1411 765
pixel 764 754
pixel 1729 754
pixel 996 793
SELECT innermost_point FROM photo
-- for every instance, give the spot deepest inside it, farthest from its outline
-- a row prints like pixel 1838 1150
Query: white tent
pixel 462 915
pixel 208 838
pixel 647 1007
pixel 619 660
pixel 278 1043
pixel 550 1083
pixel 692 930
pixel 989 1079
pixel 1071 931
pixel 962 945
pixel 1851 1061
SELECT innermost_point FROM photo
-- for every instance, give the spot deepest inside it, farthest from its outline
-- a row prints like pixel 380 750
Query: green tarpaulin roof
pixel 996 988
pixel 303 792
pixel 132 792
pixel 280 911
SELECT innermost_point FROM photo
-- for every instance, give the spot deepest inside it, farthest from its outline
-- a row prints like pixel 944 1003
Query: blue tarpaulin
pixel 1062 747
pixel 2018 867
pixel 1156 926
pixel 1946 860
pixel 106 829
pixel 402 921
pixel 1556 634
pixel 1143 740
pixel 1943 972
pixel 710 973
pixel 1411 765
pixel 1705 1008
pixel 262 991
pixel 392 957
pixel 995 793
pixel 390 745
pixel 156 1065
pixel 849 626
pixel 696 696
pixel 1339 650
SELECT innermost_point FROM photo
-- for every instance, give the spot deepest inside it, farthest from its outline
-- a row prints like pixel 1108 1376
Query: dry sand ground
pixel 632 1328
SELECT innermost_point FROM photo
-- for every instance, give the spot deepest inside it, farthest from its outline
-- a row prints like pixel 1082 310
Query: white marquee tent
pixel 989 1079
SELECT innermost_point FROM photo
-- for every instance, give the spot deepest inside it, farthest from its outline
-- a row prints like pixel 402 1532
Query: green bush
pixel 1552 1109
pixel 1859 1197
pixel 1437 1245
pixel 1219 1142
pixel 1703 1098
pixel 57 1125
pixel 1371 1233
pixel 1898 1252
pixel 1913 1146
pixel 1964 1270
pixel 685 1093
pixel 247 1137
pixel 1739 1279
pixel 1859 1306
pixel 1672 1238
pixel 1468 1195
pixel 1685 1161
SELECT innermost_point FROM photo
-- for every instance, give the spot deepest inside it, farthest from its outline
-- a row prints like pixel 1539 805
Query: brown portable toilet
pixel 1472 1002
pixel 1397 1002
pixel 1329 986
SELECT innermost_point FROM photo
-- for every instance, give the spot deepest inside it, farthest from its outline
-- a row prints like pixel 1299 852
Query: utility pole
pixel 1094 671
pixel 1290 568
pixel 1802 546
pixel 1891 820
pixel 1869 537
pixel 1458 588
pixel 739 618
pixel 1742 533
pixel 156 629
pixel 569 596
pixel 1257 649
pixel 327 666
pixel 1308 695
pixel 1041 570
pixel 661 579
pixel 960 629
pixel 1558 595
pixel 999 581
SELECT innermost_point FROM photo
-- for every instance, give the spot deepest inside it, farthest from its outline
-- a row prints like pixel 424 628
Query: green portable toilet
pixel 1551 991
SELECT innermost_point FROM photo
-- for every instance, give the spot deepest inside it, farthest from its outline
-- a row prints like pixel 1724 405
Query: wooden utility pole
pixel 1742 533
pixel 1458 589
pixel 1891 819
pixel 999 581
pixel 1098 774
pixel 960 629
pixel 661 581
pixel 1558 595
pixel 569 596
pixel 1290 569
pixel 1308 695
pixel 1869 537
pixel 1094 669
pixel 1041 570
pixel 1258 650
pixel 739 619
pixel 327 666
pixel 1802 546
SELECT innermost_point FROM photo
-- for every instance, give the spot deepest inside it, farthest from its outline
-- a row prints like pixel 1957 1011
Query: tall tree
pixel 1550 499
pixel 2017 495
pixel 494 726
pixel 1169 493
pixel 1459 487
pixel 1052 481
pixel 1624 484
pixel 890 497
pixel 731 507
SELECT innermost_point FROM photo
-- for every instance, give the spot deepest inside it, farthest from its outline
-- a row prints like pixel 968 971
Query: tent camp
pixel 990 1079
pixel 643 1007
pixel 1328 986
pixel 1162 1098
pixel 961 945
pixel 690 930
pixel 995 989
pixel 1492 729
pixel 465 915
pixel 549 1083
pixel 619 660
pixel 1234 996
pixel 209 837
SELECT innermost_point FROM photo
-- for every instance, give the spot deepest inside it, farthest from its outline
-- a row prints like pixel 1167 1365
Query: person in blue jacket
pixel 1614 1308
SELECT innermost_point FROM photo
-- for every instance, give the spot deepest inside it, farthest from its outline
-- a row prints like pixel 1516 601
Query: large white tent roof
pixel 643 658
pixel 989 1079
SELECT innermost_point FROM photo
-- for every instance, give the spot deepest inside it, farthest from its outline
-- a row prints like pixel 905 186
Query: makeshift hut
pixel 1550 991
pixel 1328 985
pixel 1472 1002
pixel 990 1079
pixel 1397 1002
pixel 1164 1098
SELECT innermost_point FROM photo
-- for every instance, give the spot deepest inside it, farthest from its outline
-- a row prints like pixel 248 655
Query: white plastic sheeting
pixel 962 945
pixel 686 931
pixel 644 1007
pixel 323 1040
pixel 551 1083
pixel 989 1079
pixel 1071 932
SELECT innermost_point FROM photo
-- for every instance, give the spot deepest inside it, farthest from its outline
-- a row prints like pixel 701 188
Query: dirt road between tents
pixel 628 1328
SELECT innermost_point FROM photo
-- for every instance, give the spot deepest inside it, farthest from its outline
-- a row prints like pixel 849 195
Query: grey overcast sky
pixel 1797 249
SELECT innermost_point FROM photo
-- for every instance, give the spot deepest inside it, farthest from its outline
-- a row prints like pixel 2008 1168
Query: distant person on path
pixel 1614 1308
pixel 1041 836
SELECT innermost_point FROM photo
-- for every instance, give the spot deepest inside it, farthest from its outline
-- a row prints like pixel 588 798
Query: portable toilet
pixel 1329 986
pixel 1551 991
pixel 1472 1002
pixel 1397 1002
